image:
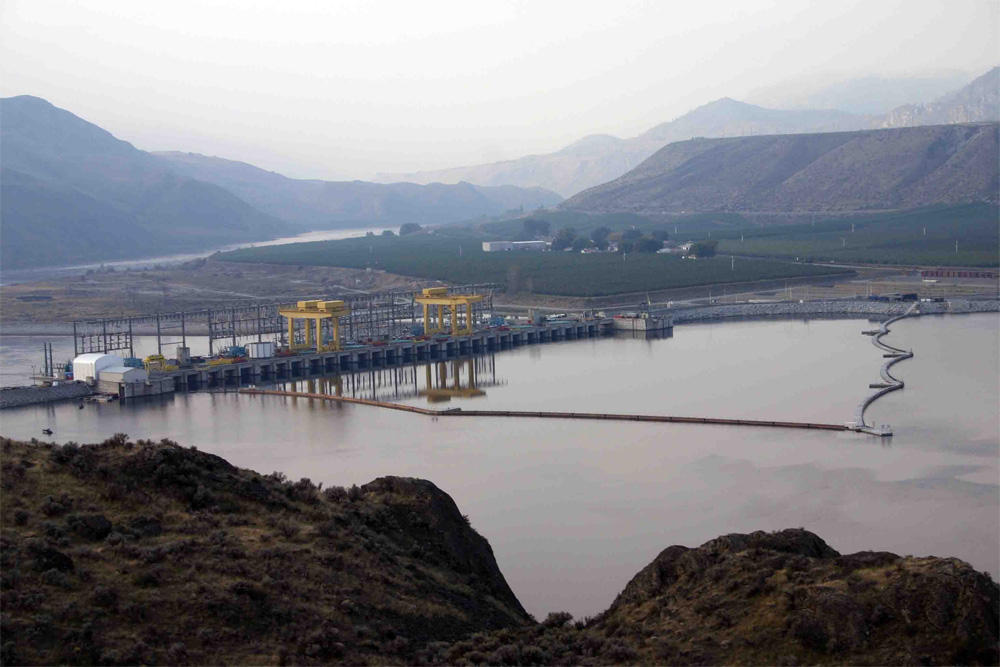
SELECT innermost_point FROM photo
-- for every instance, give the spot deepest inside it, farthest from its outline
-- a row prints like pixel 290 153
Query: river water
pixel 16 276
pixel 573 509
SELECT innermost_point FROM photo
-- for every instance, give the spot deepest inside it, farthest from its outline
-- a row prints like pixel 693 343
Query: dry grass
pixel 130 553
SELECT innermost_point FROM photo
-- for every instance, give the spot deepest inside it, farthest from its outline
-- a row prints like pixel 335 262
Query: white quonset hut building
pixel 87 367
pixel 109 375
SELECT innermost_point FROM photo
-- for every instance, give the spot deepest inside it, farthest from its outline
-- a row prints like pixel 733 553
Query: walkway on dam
pixel 459 412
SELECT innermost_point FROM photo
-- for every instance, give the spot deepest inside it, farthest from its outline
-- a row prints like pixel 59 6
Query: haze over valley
pixel 600 158
pixel 74 193
pixel 506 333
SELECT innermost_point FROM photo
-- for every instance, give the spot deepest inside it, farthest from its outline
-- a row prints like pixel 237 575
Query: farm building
pixel 506 246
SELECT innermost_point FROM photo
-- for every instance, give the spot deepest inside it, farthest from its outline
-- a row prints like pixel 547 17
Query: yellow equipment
pixel 314 312
pixel 438 296
pixel 154 362
pixel 443 392
pixel 157 362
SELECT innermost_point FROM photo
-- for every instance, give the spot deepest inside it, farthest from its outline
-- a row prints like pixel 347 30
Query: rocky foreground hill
pixel 151 553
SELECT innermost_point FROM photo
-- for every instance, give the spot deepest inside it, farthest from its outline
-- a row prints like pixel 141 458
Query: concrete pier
pixel 381 355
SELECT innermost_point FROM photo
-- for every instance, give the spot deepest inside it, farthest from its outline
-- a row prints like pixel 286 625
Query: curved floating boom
pixel 459 412
pixel 889 382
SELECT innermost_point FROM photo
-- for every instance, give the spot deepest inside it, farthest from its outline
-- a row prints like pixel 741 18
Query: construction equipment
pixel 154 362
pixel 157 362
pixel 312 313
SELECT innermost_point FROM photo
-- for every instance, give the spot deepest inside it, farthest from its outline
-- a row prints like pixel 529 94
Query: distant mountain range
pixel 600 158
pixel 865 95
pixel 833 172
pixel 73 193
pixel 977 102
pixel 317 204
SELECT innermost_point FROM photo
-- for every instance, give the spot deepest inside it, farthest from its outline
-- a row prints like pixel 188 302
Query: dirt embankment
pixel 203 283
pixel 141 552
pixel 49 307
pixel 15 397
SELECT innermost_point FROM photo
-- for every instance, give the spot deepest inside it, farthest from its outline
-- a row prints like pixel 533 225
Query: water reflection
pixel 436 381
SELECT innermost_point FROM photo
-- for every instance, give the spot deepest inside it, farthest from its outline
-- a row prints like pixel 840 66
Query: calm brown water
pixel 574 509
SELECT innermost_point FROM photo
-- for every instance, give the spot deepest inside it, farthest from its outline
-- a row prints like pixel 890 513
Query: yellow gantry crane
pixel 438 296
pixel 313 313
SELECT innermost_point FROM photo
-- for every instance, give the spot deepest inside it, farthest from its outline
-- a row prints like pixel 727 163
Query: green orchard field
pixel 923 237
pixel 456 256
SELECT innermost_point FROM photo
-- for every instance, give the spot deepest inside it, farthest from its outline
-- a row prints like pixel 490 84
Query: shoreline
pixel 835 309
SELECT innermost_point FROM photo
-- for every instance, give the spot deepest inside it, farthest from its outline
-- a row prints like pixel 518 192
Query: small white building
pixel 506 246
pixel 126 374
pixel 87 367
pixel 262 350
pixel 128 382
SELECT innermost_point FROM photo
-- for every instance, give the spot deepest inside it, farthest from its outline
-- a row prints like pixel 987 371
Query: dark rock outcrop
pixel 767 596
pixel 783 598
pixel 153 553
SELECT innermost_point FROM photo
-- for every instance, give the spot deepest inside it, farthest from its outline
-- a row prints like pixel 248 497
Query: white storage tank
pixel 86 367
pixel 263 350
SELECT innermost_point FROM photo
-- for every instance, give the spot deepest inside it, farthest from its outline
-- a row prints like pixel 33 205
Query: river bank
pixel 827 309
pixel 16 397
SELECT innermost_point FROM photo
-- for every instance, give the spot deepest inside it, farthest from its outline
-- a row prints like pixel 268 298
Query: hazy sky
pixel 343 89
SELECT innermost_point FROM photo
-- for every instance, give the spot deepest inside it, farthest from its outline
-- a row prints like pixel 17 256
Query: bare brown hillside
pixel 835 172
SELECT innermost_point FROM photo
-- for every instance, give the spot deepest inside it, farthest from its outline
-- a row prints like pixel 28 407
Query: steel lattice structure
pixel 376 316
